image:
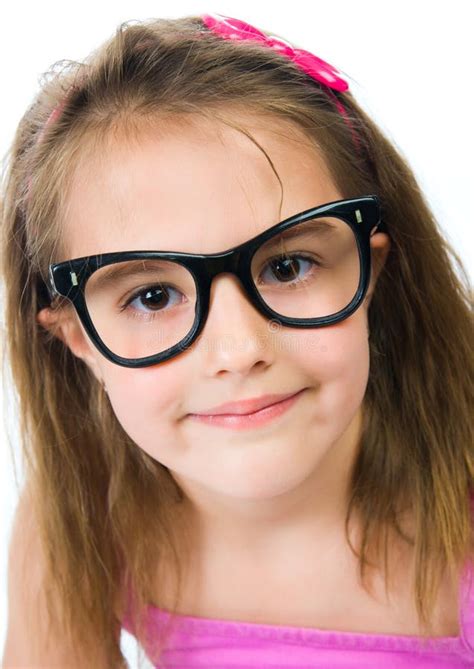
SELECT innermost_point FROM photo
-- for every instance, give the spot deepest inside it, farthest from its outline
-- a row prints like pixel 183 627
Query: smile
pixel 250 420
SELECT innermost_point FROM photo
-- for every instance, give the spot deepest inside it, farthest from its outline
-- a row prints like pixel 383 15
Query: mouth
pixel 247 406
pixel 252 419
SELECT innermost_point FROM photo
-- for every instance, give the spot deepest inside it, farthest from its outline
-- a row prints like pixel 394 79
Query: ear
pixel 64 324
pixel 379 248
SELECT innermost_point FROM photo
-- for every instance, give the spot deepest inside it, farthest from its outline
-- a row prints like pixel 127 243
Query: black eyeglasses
pixel 140 308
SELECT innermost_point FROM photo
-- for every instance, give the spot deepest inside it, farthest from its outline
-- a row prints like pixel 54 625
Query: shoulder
pixel 30 639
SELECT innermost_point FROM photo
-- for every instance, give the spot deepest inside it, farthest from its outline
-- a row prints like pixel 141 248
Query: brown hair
pixel 105 509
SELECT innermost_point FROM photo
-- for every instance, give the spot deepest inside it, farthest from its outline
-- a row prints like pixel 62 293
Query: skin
pixel 277 492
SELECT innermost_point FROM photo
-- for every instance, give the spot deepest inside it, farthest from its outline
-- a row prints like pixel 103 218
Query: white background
pixel 409 64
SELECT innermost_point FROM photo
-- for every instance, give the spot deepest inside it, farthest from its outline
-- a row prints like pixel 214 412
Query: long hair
pixel 105 509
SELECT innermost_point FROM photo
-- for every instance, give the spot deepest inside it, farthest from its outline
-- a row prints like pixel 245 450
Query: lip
pixel 245 421
pixel 245 407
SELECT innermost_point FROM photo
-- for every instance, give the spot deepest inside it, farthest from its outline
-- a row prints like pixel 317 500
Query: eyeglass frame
pixel 69 277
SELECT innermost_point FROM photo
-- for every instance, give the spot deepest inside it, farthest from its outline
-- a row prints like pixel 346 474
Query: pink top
pixel 228 644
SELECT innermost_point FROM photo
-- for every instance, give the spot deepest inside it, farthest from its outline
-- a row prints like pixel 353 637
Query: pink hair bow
pixel 235 29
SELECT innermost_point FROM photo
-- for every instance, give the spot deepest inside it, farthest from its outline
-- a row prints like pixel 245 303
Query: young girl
pixel 244 365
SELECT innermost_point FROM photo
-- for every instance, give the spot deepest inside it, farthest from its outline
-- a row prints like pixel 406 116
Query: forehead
pixel 200 186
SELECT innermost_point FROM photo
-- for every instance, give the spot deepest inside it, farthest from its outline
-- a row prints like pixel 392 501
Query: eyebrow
pixel 130 268
pixel 318 227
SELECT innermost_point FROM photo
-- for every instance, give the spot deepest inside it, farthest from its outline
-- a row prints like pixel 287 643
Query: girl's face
pixel 204 188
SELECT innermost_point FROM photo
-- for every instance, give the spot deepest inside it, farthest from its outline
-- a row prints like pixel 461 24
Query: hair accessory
pixel 235 29
pixel 51 118
pixel 321 71
pixel 54 114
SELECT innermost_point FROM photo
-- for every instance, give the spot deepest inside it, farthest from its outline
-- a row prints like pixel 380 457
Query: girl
pixel 244 364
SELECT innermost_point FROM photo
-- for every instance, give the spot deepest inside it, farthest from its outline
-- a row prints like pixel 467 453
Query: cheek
pixel 146 401
pixel 336 361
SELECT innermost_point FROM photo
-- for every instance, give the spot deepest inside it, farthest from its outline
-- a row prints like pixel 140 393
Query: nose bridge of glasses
pixel 227 265
pixel 210 266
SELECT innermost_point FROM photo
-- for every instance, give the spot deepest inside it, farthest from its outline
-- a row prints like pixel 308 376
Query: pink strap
pixel 467 596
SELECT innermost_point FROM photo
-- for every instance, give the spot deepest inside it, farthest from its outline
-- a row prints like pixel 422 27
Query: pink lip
pixel 242 421
pixel 245 406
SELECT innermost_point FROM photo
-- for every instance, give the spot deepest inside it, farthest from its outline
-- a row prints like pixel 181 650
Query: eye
pixel 286 268
pixel 153 298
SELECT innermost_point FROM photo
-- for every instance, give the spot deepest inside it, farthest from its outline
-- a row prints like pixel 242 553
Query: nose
pixel 235 337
